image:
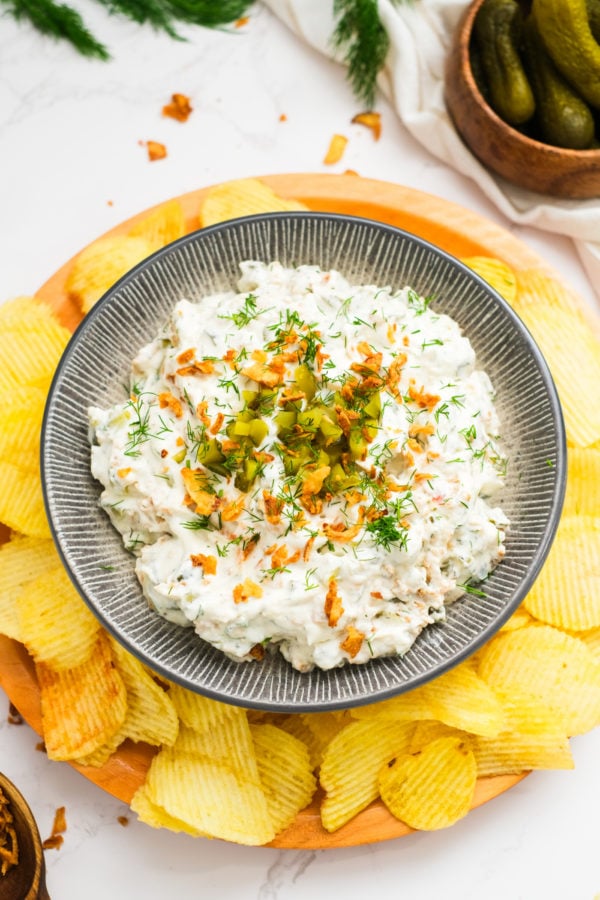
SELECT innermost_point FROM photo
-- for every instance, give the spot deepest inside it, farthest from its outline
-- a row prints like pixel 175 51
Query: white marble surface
pixel 71 166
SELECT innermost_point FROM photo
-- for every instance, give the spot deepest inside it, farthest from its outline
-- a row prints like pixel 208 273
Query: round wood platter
pixel 452 228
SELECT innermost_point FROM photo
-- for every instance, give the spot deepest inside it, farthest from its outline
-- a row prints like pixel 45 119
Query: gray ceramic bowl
pixel 96 365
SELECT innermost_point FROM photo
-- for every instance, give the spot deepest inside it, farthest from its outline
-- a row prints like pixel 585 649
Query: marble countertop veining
pixel 73 165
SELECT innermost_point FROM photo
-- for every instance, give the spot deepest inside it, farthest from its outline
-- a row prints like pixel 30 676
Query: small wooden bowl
pixel 573 174
pixel 26 880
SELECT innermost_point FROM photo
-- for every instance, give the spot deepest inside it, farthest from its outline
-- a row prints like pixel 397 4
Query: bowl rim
pixel 465 28
pixel 451 660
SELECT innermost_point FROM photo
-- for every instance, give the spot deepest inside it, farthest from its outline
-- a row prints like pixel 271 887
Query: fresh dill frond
pixel 363 40
pixel 57 21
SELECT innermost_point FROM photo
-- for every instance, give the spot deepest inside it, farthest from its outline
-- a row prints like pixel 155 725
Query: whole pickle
pixel 565 29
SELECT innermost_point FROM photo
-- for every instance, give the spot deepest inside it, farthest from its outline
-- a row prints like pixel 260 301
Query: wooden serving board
pixel 452 228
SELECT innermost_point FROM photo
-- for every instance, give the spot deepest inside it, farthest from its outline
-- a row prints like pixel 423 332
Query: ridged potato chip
pixel 22 413
pixel 591 639
pixel 101 264
pixel 567 591
pixel 22 559
pixel 497 274
pixel 161 226
pixel 582 497
pixel 21 500
pixel 201 713
pixel 525 715
pixel 81 707
pixel 519 618
pixel 151 716
pixel 553 668
pixel 33 342
pixel 285 773
pixel 211 782
pixel 458 698
pixel 157 817
pixel 511 753
pixel 573 355
pixel 351 765
pixel 56 626
pixel 425 732
pixel 245 197
pixel 535 288
pixel 433 788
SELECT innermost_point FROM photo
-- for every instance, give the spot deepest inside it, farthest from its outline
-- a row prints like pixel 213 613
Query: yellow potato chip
pixel 525 715
pixel 22 413
pixel 583 483
pixel 497 274
pixel 151 716
pixel 161 226
pixel 81 707
pixel 553 668
pixel 285 773
pixel 573 356
pixel 567 591
pixel 21 500
pixel 56 626
pixel 101 264
pixel 535 288
pixel 458 698
pixel 591 639
pixel 513 753
pixel 157 817
pixel 22 309
pixel 427 731
pixel 211 782
pixel 518 619
pixel 351 765
pixel 433 788
pixel 201 713
pixel 22 559
pixel 245 197
pixel 31 349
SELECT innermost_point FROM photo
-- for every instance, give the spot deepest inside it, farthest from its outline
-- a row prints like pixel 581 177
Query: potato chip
pixel 573 356
pixel 553 668
pixel 567 591
pixel 22 414
pixel 427 731
pixel 511 753
pixel 161 226
pixel 245 197
pixel 22 309
pixel 591 639
pixel 56 626
pixel 433 788
pixel 22 559
pixel 351 765
pixel 525 715
pixel 21 500
pixel 583 483
pixel 157 817
pixel 32 346
pixel 458 698
pixel 101 264
pixel 498 275
pixel 285 773
pixel 201 713
pixel 519 618
pixel 151 716
pixel 81 707
pixel 210 781
pixel 535 288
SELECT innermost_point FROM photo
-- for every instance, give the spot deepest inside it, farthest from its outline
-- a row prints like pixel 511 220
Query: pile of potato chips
pixel 243 776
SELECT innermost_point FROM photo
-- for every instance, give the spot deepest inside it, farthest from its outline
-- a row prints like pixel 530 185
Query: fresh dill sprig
pixel 62 22
pixel 364 42
pixel 387 531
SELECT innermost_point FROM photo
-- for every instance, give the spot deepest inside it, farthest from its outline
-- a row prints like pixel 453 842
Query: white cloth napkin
pixel 413 80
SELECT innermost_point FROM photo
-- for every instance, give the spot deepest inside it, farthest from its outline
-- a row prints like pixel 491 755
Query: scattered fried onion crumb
pixel 243 20
pixel 9 848
pixel 123 820
pixel 179 108
pixel 55 841
pixel 337 146
pixel 40 746
pixel 370 120
pixel 155 150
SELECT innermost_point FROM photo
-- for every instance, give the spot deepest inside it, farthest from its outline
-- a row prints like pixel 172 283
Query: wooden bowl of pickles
pixel 522 86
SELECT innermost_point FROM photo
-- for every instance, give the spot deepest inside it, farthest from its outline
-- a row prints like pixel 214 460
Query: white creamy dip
pixel 306 465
